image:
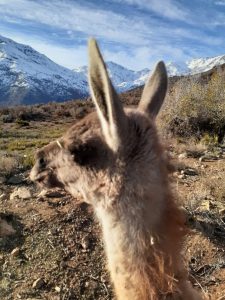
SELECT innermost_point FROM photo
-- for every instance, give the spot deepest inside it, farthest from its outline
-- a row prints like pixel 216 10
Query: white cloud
pixel 70 16
pixel 220 2
pixel 165 8
pixel 138 40
pixel 135 58
pixel 86 21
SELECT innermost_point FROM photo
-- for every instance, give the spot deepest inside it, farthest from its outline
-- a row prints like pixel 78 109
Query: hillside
pixel 29 77
pixel 55 248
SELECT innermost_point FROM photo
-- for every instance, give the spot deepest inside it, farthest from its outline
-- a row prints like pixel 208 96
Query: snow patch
pixel 28 76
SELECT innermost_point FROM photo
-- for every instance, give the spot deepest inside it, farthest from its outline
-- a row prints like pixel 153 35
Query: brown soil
pixel 59 240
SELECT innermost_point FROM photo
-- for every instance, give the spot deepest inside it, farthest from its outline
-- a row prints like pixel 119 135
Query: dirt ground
pixel 57 253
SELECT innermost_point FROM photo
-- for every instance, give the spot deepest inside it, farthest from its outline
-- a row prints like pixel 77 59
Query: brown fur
pixel 113 158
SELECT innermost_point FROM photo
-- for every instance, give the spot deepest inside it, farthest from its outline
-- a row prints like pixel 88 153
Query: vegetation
pixel 21 123
pixel 196 108
pixel 50 232
pixel 8 165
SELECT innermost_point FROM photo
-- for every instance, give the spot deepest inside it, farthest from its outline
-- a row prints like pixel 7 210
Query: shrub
pixel 7 118
pixel 209 139
pixel 22 123
pixel 27 161
pixel 195 107
pixel 8 164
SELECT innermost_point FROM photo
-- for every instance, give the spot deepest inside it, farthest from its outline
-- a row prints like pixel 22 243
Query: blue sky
pixel 134 33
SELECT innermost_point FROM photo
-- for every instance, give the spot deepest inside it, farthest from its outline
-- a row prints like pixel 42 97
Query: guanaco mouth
pixel 38 177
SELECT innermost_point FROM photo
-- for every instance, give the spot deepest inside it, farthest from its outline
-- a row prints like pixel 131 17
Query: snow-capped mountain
pixel 28 76
pixel 122 78
pixel 125 79
pixel 175 69
pixel 200 65
pixel 194 66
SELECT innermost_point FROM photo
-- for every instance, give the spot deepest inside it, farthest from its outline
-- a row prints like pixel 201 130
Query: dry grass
pixel 195 106
pixel 8 165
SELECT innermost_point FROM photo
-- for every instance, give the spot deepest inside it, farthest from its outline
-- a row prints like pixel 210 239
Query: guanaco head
pixel 109 148
pixel 43 172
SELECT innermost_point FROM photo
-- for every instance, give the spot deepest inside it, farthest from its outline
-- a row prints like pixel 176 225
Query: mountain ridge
pixel 29 77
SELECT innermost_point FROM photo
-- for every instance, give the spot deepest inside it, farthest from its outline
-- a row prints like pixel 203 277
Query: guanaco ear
pixel 109 108
pixel 154 91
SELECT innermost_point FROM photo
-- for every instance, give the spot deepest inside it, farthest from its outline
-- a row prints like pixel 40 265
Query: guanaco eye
pixel 42 162
pixel 85 155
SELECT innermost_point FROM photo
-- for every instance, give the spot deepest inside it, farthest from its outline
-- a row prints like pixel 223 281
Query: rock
pixel 21 193
pixel 42 193
pixel 50 194
pixel 63 264
pixel 85 243
pixel 190 172
pixel 222 211
pixel 181 176
pixel 2 196
pixel 16 179
pixel 2 180
pixel 6 228
pixel 54 194
pixel 208 157
pixel 39 283
pixel 207 205
pixel 175 174
pixel 183 155
pixel 15 252
pixel 204 167
pixel 57 289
